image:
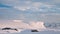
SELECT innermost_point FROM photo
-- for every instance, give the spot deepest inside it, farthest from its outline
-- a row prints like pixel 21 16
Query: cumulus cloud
pixel 31 25
pixel 40 26
pixel 37 25
pixel 21 26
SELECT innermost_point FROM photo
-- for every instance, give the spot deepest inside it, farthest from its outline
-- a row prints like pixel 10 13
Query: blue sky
pixel 30 10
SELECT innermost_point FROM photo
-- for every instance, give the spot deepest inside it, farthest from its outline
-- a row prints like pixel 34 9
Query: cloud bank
pixel 21 26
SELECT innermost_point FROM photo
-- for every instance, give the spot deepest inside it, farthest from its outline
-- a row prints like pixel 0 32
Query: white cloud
pixel 23 8
pixel 36 4
pixel 21 26
pixel 17 20
pixel 25 5
pixel 37 25
pixel 31 25
pixel 28 5
pixel 39 4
